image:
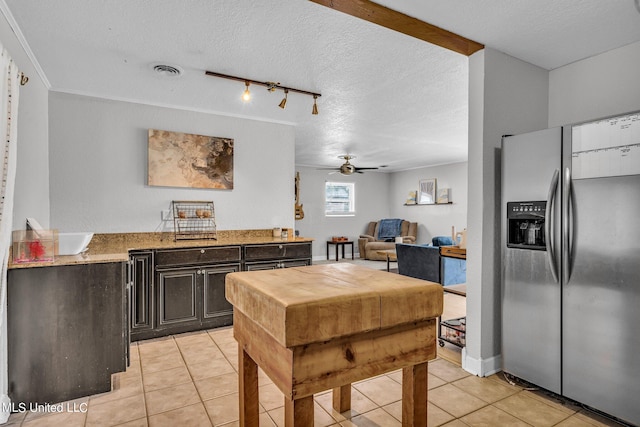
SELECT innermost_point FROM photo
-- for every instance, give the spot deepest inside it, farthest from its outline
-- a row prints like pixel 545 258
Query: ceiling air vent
pixel 167 70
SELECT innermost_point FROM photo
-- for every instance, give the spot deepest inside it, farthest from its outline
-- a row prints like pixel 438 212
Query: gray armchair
pixel 369 245
pixel 421 262
pixel 425 262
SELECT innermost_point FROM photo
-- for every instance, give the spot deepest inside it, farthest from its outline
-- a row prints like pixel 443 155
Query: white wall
pixel 98 166
pixel 372 204
pixel 506 96
pixel 31 196
pixel 32 173
pixel 597 87
pixel 433 220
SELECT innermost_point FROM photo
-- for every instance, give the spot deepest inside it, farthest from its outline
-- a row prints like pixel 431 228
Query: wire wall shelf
pixel 194 220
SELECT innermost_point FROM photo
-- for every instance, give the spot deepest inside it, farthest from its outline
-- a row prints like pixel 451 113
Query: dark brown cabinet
pixel 279 255
pixel 193 298
pixel 279 251
pixel 141 294
pixel 272 265
pixel 181 290
pixel 186 290
pixel 67 330
pixel 198 256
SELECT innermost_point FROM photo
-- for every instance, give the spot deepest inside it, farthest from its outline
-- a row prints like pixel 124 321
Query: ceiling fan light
pixel 246 95
pixel 283 103
pixel 314 110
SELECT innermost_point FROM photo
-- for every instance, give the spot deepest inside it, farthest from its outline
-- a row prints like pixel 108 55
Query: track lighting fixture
pixel 283 103
pixel 246 95
pixel 271 87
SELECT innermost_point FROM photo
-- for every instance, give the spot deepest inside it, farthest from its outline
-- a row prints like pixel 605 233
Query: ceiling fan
pixel 347 168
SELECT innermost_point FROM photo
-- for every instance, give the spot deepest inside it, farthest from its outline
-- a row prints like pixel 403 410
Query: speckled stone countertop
pixel 115 247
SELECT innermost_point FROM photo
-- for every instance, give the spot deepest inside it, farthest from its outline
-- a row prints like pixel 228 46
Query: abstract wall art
pixel 177 159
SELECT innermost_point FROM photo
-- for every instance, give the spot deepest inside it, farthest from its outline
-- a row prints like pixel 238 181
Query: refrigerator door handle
pixel 566 226
pixel 549 224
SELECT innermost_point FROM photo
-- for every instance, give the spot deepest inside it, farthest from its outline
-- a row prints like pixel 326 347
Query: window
pixel 339 199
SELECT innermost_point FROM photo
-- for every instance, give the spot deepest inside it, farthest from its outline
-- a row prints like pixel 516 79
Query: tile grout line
pixel 144 392
pixel 236 372
pixel 193 381
pixel 144 396
pixel 456 383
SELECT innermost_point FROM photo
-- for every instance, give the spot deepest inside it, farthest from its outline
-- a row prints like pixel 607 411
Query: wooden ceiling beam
pixel 394 20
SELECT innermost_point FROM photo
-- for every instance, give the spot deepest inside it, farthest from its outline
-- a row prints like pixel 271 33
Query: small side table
pixel 391 256
pixel 338 244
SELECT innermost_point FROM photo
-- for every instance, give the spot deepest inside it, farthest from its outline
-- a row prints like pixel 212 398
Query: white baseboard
pixel 5 408
pixel 481 367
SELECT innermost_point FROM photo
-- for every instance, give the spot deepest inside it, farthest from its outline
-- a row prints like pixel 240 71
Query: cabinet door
pixel 178 296
pixel 217 311
pixel 142 291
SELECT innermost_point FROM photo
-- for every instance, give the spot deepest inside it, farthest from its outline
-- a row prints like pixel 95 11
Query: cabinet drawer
pixel 281 250
pixel 194 256
pixel 272 265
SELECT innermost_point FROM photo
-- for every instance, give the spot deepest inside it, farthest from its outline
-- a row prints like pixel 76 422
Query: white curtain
pixel 9 85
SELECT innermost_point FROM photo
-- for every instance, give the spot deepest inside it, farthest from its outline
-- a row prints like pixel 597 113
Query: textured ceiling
pixel 386 98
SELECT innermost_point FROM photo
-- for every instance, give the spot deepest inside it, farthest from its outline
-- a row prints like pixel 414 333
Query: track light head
pixel 283 103
pixel 246 95
pixel 314 110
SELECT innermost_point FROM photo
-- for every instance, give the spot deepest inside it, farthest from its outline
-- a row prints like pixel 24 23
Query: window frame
pixel 351 199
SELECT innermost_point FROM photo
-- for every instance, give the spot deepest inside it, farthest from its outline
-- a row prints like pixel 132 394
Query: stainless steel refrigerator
pixel 571 262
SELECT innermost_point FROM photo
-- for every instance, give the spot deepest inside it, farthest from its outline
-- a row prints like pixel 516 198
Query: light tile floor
pixel 191 380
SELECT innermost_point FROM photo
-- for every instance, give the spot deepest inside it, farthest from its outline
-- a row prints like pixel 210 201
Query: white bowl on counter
pixel 73 243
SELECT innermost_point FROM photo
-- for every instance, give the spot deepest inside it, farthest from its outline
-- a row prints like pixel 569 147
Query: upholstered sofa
pixel 369 243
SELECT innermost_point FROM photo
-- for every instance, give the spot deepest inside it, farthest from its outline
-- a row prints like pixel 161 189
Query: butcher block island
pixel 324 327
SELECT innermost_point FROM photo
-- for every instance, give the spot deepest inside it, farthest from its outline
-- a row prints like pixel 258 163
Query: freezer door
pixel 601 314
pixel 530 293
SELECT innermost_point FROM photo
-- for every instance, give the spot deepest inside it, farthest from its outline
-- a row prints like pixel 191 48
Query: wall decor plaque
pixel 177 159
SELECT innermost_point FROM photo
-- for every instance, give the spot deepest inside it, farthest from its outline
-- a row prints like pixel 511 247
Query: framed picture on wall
pixel 427 191
pixel 188 160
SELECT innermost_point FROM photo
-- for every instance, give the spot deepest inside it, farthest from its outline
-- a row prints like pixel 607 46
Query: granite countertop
pixel 115 247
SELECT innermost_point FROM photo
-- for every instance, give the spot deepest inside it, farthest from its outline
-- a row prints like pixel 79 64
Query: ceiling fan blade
pixel 363 169
pixel 327 169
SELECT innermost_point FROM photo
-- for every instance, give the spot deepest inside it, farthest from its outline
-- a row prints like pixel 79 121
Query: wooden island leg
pixel 299 412
pixel 342 398
pixel 248 389
pixel 414 395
